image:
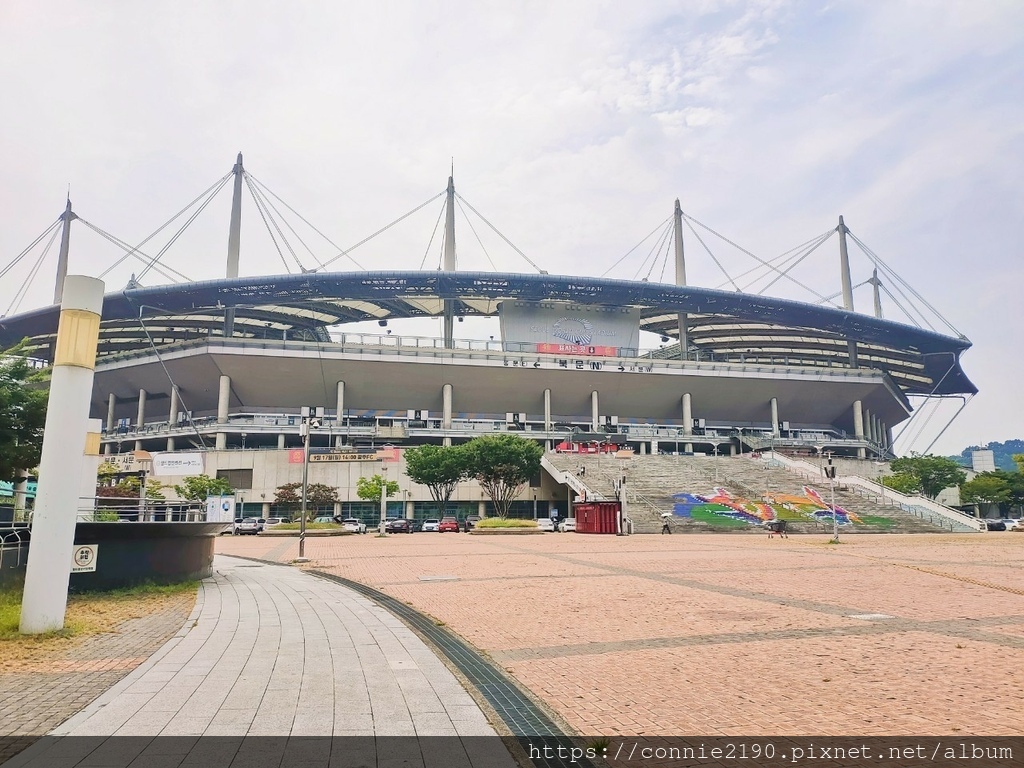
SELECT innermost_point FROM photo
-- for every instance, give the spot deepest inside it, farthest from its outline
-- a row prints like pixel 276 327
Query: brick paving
pixel 38 695
pixel 722 634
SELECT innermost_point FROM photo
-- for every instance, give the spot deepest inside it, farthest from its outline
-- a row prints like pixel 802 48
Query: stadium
pixel 212 376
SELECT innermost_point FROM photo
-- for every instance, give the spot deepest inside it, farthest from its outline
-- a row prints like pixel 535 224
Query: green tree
pixel 503 464
pixel 986 488
pixel 22 412
pixel 1018 459
pixel 198 487
pixel 933 472
pixel 317 495
pixel 289 493
pixel 369 488
pixel 904 482
pixel 440 468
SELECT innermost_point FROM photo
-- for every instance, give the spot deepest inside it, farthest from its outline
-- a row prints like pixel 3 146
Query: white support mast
pixel 62 258
pixel 684 341
pixel 449 263
pixel 234 239
pixel 844 269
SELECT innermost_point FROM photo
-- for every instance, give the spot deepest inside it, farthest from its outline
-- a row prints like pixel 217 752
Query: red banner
pixel 577 349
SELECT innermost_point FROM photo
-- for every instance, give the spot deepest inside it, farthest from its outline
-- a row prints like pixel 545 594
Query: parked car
pixel 415 526
pixel 431 525
pixel 270 522
pixel 1011 524
pixel 470 522
pixel 353 525
pixel 995 525
pixel 546 524
pixel 251 525
pixel 448 525
pixel 398 525
pixel 568 525
pixel 324 519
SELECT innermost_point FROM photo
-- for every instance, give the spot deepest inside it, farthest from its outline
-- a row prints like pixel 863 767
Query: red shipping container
pixel 597 517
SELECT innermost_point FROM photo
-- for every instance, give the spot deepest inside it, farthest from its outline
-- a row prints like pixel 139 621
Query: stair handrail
pixel 947 513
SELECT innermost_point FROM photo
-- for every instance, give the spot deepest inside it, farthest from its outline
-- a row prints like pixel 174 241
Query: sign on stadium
pixel 561 328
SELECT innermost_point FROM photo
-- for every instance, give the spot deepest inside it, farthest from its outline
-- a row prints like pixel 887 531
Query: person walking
pixel 665 527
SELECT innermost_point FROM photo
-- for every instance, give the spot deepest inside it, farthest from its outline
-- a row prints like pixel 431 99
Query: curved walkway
pixel 273 651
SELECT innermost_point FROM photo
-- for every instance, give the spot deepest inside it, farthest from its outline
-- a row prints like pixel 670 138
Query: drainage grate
pixel 439 578
pixel 871 616
pixel 521 715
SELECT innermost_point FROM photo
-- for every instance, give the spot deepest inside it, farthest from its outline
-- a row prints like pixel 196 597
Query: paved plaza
pixel 728 634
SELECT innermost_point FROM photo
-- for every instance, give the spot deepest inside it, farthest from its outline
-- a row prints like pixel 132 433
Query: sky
pixel 571 126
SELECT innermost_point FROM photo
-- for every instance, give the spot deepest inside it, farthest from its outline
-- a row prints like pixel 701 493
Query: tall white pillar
pixel 172 416
pixel 446 411
pixel 67 421
pixel 20 494
pixel 280 442
pixel 223 402
pixel 90 469
pixel 140 419
pixel 858 425
pixel 775 417
pixel 547 417
pixel 340 402
pixel 111 405
pixel 868 424
pixel 687 421
pixel 594 411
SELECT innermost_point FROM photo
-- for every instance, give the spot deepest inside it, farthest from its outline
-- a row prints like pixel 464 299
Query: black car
pixel 995 525
pixel 470 522
pixel 400 525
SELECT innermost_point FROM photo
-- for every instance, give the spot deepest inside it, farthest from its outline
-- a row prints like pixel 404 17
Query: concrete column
pixel 594 411
pixel 481 508
pixel 20 494
pixel 172 411
pixel 878 432
pixel 446 410
pixel 280 442
pixel 687 421
pixel 140 419
pixel 732 449
pixel 265 509
pixel 547 417
pixel 90 468
pixel 223 401
pixel 111 404
pixel 64 442
pixel 775 417
pixel 340 408
pixel 172 416
pixel 888 436
pixel 643 449
pixel 868 423
pixel 858 425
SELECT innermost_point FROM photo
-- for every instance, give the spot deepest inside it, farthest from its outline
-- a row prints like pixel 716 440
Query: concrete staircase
pixel 651 482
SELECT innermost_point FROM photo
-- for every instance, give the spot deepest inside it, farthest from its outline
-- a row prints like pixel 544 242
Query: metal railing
pixel 917 505
pixel 12 545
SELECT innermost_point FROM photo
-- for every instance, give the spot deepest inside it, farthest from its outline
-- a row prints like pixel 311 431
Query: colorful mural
pixel 722 508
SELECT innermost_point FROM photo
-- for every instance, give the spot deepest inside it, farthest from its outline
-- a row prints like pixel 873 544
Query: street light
pixel 312 418
pixel 383 499
pixel 830 470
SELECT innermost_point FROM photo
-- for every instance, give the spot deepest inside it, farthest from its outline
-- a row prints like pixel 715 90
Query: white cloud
pixel 573 127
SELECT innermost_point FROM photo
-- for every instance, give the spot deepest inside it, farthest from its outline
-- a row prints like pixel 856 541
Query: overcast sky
pixel 573 126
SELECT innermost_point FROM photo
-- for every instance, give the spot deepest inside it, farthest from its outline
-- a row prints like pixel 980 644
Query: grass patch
pixel 87 612
pixel 309 527
pixel 881 522
pixel 505 522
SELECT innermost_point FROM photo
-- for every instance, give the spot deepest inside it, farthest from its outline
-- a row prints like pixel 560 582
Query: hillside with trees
pixel 1002 452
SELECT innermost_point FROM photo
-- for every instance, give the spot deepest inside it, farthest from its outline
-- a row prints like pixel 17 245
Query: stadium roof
pixel 735 326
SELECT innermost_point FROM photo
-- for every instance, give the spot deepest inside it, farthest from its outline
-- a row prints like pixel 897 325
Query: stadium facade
pixel 218 371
